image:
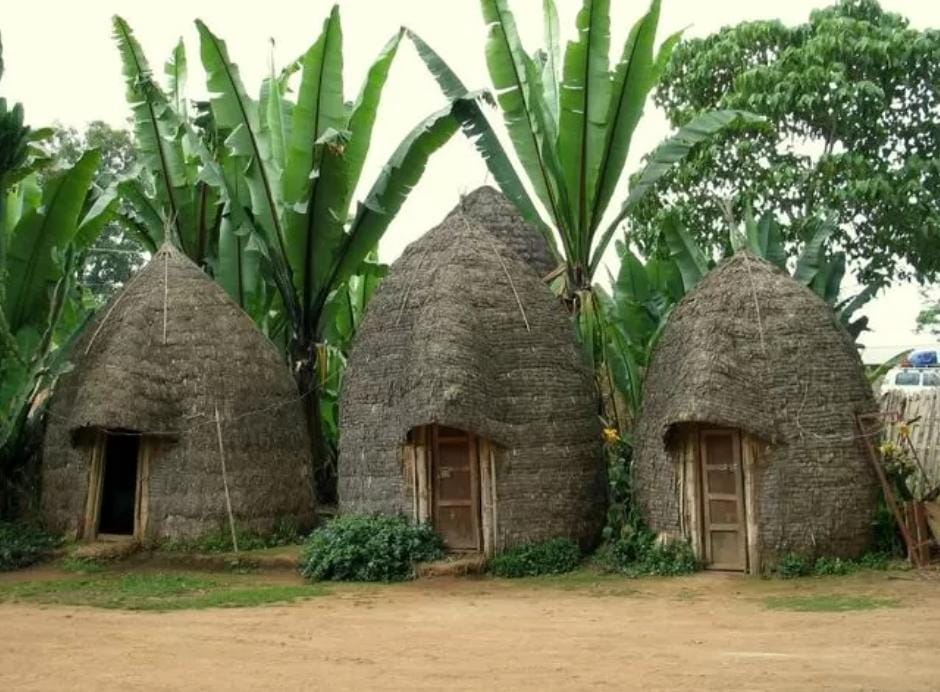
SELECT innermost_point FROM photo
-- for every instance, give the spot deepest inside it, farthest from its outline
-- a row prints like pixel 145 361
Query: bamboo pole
pixel 228 497
pixel 899 517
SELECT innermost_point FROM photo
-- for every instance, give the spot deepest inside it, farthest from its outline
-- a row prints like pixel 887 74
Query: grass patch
pixel 82 565
pixel 156 592
pixel 829 603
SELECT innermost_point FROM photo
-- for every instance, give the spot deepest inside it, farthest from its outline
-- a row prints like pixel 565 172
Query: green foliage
pixel 116 254
pixel 46 226
pixel 554 556
pixel 828 603
pixel 260 191
pixel 928 319
pixel 571 120
pixel 285 532
pixel 793 565
pixel 637 552
pixel 849 99
pixel 22 545
pixel 629 547
pixel 644 293
pixel 154 592
pixel 832 566
pixel 368 548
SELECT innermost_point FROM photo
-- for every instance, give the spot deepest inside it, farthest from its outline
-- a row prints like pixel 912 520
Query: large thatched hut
pixel 466 402
pixel 747 445
pixel 133 445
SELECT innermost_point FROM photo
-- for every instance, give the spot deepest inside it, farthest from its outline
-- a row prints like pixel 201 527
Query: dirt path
pixel 702 632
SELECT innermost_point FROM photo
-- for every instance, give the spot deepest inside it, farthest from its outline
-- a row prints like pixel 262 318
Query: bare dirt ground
pixel 708 631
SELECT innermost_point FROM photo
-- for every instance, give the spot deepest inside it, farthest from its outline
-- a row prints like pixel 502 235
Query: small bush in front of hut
pixel 793 565
pixel 638 553
pixel 284 532
pixel 630 548
pixel 368 548
pixel 22 545
pixel 554 556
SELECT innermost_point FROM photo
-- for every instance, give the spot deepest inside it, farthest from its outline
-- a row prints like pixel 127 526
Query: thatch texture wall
pixel 157 360
pixel 464 333
pixel 752 349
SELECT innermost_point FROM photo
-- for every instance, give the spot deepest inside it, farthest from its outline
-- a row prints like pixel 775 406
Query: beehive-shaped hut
pixel 133 445
pixel 747 444
pixel 466 402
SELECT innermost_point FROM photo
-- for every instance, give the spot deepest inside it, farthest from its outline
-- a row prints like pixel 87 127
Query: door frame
pixel 96 469
pixel 738 497
pixel 418 458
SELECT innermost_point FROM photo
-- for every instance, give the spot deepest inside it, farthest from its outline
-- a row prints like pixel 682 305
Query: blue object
pixel 924 359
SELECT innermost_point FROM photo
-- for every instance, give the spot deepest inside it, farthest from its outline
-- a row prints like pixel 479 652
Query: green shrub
pixel 829 566
pixel 554 556
pixel 22 545
pixel 637 552
pixel 285 532
pixel 793 565
pixel 368 548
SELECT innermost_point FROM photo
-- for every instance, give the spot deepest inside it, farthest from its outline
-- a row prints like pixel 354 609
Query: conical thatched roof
pixel 751 348
pixel 494 212
pixel 464 333
pixel 168 349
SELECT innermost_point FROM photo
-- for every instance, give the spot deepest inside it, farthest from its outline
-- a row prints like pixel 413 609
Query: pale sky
pixel 62 64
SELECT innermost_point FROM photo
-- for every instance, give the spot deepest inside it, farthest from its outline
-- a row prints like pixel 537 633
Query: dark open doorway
pixel 119 487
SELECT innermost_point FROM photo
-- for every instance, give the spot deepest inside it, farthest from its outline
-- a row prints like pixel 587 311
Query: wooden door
pixel 722 492
pixel 455 494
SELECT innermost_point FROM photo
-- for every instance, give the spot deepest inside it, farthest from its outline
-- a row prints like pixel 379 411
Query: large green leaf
pixel 140 215
pixel 364 111
pixel 399 175
pixel 156 129
pixel 764 238
pixel 692 262
pixel 582 121
pixel 552 37
pixel 812 258
pixel 525 113
pixel 234 111
pixel 176 71
pixel 632 80
pixel 32 267
pixel 477 128
pixel 315 180
pixel 667 154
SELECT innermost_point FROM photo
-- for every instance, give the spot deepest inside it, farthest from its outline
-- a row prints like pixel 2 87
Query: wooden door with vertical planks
pixel 722 492
pixel 456 496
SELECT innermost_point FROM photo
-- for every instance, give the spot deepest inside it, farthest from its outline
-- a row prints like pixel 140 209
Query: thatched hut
pixel 176 408
pixel 747 445
pixel 466 402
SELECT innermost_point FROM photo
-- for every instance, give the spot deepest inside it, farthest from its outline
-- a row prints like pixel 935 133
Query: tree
pixel 260 191
pixel 571 120
pixel 44 231
pixel 116 254
pixel 852 104
pixel 928 320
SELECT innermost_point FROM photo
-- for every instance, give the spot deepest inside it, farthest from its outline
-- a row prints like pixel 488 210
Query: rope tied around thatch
pixel 502 264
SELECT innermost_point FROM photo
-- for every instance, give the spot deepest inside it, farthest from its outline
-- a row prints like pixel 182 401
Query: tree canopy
pixel 852 101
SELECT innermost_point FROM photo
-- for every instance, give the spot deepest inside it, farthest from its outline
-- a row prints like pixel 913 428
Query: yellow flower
pixel 904 430
pixel 611 435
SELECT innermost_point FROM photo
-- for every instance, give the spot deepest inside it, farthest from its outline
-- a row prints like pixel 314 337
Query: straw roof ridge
pixel 498 216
